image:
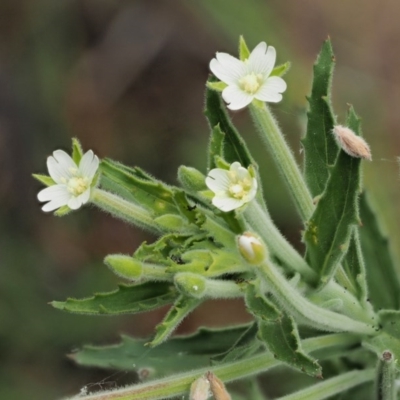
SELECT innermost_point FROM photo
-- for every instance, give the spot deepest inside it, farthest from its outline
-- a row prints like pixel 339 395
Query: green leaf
pixel 217 86
pixel 45 179
pixel 320 148
pixel 389 335
pixel 63 210
pixel 182 307
pixel 281 70
pixel 125 300
pixel 354 267
pixel 151 194
pixel 382 277
pixel 328 231
pixel 77 151
pixel 279 332
pixel 181 353
pixel 235 148
pixel 216 146
pixel 244 51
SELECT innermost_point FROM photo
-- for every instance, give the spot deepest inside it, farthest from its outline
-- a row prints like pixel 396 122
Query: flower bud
pixel 218 388
pixel 192 285
pixel 191 178
pixel 200 389
pixel 124 266
pixel 252 248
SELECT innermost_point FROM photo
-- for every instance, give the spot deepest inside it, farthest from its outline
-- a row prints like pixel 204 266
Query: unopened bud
pixel 251 248
pixel 218 388
pixel 191 178
pixel 124 266
pixel 352 144
pixel 190 284
pixel 200 389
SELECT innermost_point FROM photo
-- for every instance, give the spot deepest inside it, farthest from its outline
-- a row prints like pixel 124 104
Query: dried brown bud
pixel 200 389
pixel 352 144
pixel 217 387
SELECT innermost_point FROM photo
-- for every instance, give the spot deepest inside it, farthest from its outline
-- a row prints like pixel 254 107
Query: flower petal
pixel 227 68
pixel 60 165
pixel 226 203
pixel 89 164
pixel 271 90
pixel 85 196
pixel 262 59
pixel 54 192
pixel 57 195
pixel 75 202
pixel 218 180
pixel 236 98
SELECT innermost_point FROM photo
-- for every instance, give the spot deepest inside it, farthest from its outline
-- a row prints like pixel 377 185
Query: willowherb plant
pixel 331 314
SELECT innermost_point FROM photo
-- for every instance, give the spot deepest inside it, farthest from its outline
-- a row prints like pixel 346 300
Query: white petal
pixel 227 203
pixel 236 98
pixel 75 202
pixel 227 68
pixel 85 196
pixel 60 165
pixel 53 193
pixel 89 164
pixel 271 89
pixel 53 205
pixel 262 60
pixel 218 180
pixel 253 191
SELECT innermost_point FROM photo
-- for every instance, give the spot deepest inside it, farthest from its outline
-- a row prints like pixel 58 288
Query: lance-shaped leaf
pixel 328 231
pixel 234 147
pixel 279 332
pixel 320 148
pixel 181 353
pixel 389 335
pixel 126 299
pixel 354 267
pixel 182 307
pixel 216 146
pixel 151 194
pixel 382 278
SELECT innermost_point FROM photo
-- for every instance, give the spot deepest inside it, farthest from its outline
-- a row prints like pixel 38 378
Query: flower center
pixel 251 83
pixel 77 185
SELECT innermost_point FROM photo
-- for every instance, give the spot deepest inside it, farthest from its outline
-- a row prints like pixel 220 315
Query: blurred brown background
pixel 127 78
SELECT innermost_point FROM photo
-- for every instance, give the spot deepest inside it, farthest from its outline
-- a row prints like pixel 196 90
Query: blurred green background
pixel 127 78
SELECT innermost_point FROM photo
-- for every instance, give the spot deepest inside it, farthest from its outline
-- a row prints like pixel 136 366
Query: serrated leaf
pixel 389 335
pixel 281 70
pixel 382 276
pixel 278 332
pixel 328 231
pixel 354 267
pixel 180 353
pixel 235 148
pixel 320 148
pixel 151 194
pixel 182 307
pixel 45 179
pixel 246 345
pixel 127 299
pixel 77 151
pixel 215 146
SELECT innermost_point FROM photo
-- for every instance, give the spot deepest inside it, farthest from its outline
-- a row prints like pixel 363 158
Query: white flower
pixel 73 182
pixel 232 188
pixel 249 79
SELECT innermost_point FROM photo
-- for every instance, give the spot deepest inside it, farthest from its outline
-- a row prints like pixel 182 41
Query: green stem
pixel 179 385
pixel 259 220
pixel 304 310
pixel 284 159
pixel 124 209
pixel 332 386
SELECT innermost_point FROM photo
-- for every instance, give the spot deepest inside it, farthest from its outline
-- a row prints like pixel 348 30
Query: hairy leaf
pixel 328 231
pixel 320 148
pixel 382 278
pixel 181 353
pixel 126 299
